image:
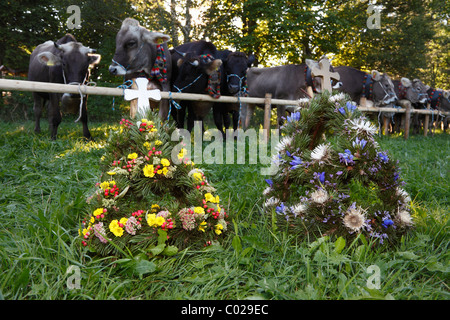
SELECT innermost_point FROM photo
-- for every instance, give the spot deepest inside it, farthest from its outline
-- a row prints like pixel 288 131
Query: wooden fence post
pixel 426 122
pixel 133 103
pixel 407 119
pixel 267 113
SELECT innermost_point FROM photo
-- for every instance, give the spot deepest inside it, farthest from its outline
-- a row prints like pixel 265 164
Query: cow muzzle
pixel 117 70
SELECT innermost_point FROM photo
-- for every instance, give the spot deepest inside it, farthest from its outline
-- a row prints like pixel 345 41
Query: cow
pixel 373 86
pixel 439 102
pixel 288 82
pixel 65 61
pixel 413 91
pixel 197 71
pixel 233 83
pixel 143 53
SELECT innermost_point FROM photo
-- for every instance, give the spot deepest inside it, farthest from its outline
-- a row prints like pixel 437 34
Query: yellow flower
pixel 209 197
pixel 111 173
pixel 165 162
pixel 182 153
pixel 219 229
pixel 154 221
pixel 147 145
pixel 144 120
pixel 202 226
pixel 92 220
pixel 155 208
pixel 198 176
pixel 85 231
pixel 159 171
pixel 199 210
pixel 104 185
pixel 149 171
pixel 123 221
pixel 115 228
pixel 165 170
pixel 158 143
pixel 132 156
pixel 217 199
pixel 97 212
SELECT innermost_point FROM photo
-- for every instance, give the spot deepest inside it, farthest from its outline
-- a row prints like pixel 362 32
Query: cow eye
pixel 131 44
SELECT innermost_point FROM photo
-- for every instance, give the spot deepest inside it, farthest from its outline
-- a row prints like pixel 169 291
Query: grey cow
pixel 65 61
pixel 288 82
pixel 373 86
pixel 143 53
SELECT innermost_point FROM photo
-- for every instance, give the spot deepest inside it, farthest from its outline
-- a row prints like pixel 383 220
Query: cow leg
pixel 217 115
pixel 246 114
pixel 281 112
pixel 54 115
pixel 37 108
pixel 84 121
pixel 190 118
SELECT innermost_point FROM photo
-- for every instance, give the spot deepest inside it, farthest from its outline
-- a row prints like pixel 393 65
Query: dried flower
pixel 320 196
pixel 354 218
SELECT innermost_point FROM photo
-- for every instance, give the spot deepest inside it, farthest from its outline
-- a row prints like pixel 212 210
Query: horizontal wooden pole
pixel 34 86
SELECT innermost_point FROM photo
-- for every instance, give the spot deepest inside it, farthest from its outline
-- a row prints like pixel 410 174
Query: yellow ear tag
pixel 50 63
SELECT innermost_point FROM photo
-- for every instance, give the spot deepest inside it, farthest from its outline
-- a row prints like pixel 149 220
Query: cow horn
pixel 92 50
pixel 57 46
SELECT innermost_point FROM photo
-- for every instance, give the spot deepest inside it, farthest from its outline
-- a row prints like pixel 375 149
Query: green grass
pixel 44 185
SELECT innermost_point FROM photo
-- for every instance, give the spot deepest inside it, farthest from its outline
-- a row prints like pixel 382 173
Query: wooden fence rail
pixel 33 86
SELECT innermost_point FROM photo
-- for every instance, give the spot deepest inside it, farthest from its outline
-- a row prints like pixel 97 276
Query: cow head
pixel 193 72
pixel 415 91
pixel 317 81
pixel 74 58
pixel 235 68
pixel 383 92
pixel 135 48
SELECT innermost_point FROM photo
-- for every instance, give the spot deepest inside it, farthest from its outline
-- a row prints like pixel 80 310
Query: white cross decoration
pixel 142 95
pixel 324 72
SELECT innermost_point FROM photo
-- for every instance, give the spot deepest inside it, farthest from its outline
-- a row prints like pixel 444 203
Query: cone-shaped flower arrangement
pixel 151 199
pixel 333 179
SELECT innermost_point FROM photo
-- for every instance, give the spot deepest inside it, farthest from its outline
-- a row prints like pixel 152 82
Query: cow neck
pixel 367 88
pixel 435 98
pixel 309 79
pixel 401 91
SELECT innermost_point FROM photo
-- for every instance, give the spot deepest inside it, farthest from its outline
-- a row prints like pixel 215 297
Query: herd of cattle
pixel 198 67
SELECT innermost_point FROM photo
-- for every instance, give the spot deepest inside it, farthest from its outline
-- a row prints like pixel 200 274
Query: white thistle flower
pixel 355 219
pixel 405 196
pixel 321 153
pixel 298 209
pixel 267 191
pixel 363 126
pixel 404 218
pixel 337 97
pixel 283 144
pixel 271 202
pixel 319 196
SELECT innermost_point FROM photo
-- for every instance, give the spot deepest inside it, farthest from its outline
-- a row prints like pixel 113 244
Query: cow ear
pixel 446 94
pixel 94 59
pixel 49 59
pixel 376 75
pixel 155 37
pixel 213 66
pixel 406 82
pixel 311 63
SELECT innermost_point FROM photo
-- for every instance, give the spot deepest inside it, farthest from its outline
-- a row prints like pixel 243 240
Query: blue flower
pixel 294 117
pixel 350 106
pixel 359 143
pixel 342 110
pixel 322 177
pixel 346 157
pixel 288 153
pixel 383 156
pixel 296 162
pixel 388 222
pixel 269 182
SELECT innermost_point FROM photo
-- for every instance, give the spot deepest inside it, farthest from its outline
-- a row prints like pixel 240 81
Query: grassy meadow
pixel 44 185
